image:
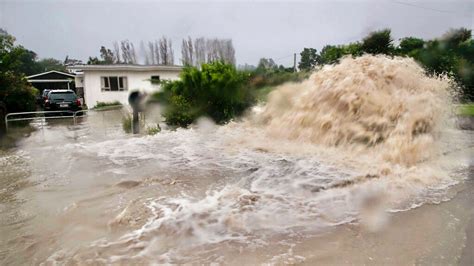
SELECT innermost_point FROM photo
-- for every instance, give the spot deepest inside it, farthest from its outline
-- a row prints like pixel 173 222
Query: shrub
pixel 127 124
pixel 16 93
pixel 217 90
pixel 261 80
pixel 153 130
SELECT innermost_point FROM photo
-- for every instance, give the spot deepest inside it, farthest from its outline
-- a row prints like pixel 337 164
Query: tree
pixel 15 91
pixel 48 64
pixel 265 65
pixel 166 51
pixel 94 61
pixel 378 42
pixel 354 49
pixel 330 54
pixel 71 61
pixel 200 51
pixel 107 55
pixel 128 52
pixel 410 44
pixel 117 58
pixel 145 54
pixel 309 59
pixel 204 50
pixel 454 37
pixel 187 52
pixel 453 55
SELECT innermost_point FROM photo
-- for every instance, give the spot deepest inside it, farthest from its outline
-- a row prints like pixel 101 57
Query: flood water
pixel 93 194
pixel 361 164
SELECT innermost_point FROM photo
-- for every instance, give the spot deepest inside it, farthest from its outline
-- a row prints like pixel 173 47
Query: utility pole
pixel 294 62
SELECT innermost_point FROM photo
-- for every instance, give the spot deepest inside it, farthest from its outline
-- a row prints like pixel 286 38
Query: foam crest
pixel 374 102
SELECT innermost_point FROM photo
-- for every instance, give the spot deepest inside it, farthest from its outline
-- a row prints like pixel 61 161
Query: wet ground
pixel 91 194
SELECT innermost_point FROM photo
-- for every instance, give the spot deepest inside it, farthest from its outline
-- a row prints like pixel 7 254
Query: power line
pixel 429 8
pixel 283 57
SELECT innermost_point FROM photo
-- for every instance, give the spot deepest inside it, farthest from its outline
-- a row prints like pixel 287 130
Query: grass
pixel 466 109
pixel 261 94
pixel 100 105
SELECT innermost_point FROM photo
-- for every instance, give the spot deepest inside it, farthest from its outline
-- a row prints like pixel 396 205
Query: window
pixel 114 83
pixel 65 96
pixel 155 79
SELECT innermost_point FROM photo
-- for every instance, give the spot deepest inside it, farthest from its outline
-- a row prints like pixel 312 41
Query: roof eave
pixel 51 71
pixel 125 68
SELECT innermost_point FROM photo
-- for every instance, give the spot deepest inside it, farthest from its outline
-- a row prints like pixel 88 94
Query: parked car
pixel 44 96
pixel 58 100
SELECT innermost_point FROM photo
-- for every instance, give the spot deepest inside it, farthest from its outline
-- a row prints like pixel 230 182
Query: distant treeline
pixel 451 54
pixel 160 52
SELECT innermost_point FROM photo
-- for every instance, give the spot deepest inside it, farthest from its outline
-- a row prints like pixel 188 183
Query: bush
pixel 16 93
pixel 217 91
pixel 127 124
pixel 153 130
pixel 275 78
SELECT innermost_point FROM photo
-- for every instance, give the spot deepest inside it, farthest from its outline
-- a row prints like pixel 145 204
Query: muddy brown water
pixel 361 164
pixel 90 194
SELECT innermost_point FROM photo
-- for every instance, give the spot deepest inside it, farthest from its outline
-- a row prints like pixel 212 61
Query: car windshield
pixel 66 96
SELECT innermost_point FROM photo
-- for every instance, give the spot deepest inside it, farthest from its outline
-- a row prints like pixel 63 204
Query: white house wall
pixel 79 81
pixel 136 80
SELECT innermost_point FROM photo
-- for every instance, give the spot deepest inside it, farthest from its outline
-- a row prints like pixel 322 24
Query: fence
pixel 54 115
pixel 36 113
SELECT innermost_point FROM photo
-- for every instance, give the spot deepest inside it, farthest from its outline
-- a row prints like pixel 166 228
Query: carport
pixel 52 80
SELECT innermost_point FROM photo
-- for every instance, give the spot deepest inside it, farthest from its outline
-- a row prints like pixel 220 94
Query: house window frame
pixel 155 81
pixel 106 79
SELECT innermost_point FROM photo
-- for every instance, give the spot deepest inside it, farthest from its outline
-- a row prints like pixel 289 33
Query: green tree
pixel 455 37
pixel 378 42
pixel 354 49
pixel 94 61
pixel 409 45
pixel 309 59
pixel 330 54
pixel 453 55
pixel 266 65
pixel 48 64
pixel 107 55
pixel 15 91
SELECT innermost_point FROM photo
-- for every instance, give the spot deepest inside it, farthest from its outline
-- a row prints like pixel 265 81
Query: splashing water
pixel 383 104
pixel 354 140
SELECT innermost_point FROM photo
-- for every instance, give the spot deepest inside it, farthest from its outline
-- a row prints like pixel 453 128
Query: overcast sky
pixel 258 29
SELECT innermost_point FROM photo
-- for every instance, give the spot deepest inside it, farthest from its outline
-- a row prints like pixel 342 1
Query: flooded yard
pixel 91 194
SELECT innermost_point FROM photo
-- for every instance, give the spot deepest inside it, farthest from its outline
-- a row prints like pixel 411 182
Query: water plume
pixel 375 103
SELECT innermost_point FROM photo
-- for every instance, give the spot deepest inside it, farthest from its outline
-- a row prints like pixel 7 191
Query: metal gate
pixel 73 115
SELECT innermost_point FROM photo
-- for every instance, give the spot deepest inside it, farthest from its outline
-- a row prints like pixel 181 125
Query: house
pixel 110 83
pixel 52 80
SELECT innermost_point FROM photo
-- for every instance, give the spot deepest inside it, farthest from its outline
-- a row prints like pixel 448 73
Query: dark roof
pixel 51 75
